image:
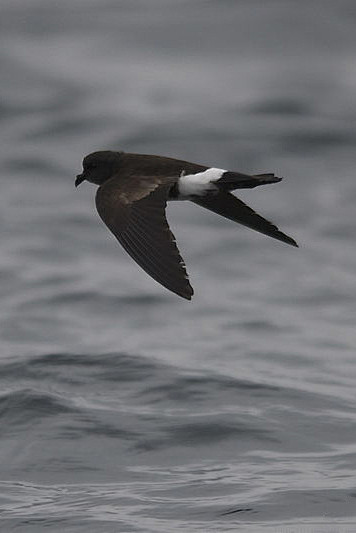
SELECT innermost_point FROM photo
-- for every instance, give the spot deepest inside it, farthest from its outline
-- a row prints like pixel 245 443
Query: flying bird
pixel 132 196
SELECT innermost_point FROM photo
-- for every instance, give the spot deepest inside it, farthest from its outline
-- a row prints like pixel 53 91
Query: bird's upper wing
pixel 228 206
pixel 134 210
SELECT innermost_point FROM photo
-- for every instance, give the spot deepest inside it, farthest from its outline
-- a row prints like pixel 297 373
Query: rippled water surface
pixel 122 407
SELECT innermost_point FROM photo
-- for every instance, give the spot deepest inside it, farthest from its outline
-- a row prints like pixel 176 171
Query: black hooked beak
pixel 80 178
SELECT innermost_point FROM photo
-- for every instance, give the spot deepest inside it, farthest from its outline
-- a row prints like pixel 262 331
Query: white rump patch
pixel 199 184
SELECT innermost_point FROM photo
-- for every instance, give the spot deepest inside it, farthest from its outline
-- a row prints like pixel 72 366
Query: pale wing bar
pixel 142 229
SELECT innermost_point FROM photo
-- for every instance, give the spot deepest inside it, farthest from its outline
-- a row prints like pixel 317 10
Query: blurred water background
pixel 122 407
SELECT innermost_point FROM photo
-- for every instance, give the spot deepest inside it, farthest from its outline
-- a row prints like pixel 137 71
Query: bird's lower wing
pixel 142 229
pixel 228 206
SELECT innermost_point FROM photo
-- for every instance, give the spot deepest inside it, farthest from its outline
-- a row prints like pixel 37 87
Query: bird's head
pixel 98 167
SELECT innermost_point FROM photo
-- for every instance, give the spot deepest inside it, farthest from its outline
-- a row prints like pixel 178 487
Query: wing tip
pixel 186 293
pixel 289 240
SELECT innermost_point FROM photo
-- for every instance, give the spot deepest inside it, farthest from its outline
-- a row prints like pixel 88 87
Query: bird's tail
pixel 230 181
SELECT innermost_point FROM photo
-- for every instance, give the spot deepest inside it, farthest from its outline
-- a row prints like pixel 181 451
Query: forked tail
pixel 230 181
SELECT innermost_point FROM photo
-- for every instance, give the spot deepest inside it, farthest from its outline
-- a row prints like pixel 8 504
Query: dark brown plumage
pixel 137 217
pixel 132 197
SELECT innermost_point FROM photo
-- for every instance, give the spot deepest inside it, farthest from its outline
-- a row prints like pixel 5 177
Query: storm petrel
pixel 132 197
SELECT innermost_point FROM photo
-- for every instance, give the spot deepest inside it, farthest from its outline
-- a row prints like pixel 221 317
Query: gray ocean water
pixel 122 407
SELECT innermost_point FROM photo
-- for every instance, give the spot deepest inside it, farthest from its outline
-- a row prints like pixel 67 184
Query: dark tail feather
pixel 234 180
pixel 228 206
